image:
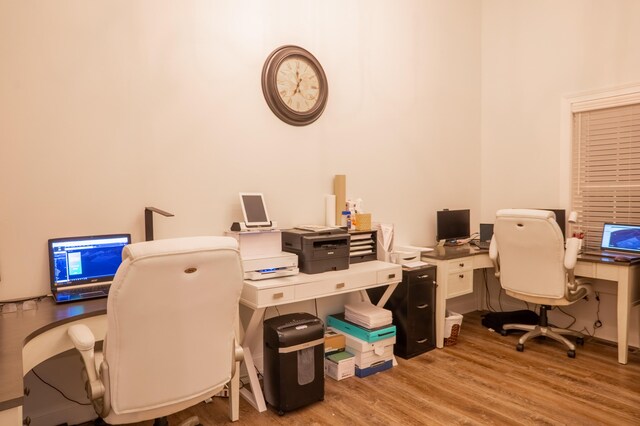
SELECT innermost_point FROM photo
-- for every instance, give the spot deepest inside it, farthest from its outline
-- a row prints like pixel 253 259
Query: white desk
pixel 455 278
pixel 259 295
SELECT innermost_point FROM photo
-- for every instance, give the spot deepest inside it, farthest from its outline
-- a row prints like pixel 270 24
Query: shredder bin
pixel 293 361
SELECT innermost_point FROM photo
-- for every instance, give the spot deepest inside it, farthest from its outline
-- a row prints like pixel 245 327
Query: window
pixel 606 163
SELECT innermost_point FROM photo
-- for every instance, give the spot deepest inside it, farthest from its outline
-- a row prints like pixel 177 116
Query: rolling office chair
pixel 172 316
pixel 531 263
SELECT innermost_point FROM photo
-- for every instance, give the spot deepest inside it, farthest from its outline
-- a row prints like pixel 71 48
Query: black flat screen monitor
pixel 453 225
pixel 560 219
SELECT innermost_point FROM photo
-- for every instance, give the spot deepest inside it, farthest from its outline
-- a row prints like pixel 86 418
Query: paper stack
pixel 367 315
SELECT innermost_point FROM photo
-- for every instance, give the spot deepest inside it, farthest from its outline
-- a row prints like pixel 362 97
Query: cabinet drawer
pixel 461 264
pixel 459 283
pixel 274 295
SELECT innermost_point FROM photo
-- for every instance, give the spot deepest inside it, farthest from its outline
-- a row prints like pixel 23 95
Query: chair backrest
pixel 171 316
pixel 531 253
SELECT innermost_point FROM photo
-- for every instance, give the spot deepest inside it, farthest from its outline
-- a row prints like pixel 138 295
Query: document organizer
pixel 363 246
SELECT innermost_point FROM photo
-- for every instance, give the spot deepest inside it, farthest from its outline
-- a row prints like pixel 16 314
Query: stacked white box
pixel 366 354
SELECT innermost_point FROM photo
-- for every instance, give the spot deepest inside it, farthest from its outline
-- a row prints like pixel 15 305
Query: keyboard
pixel 79 293
pixel 482 245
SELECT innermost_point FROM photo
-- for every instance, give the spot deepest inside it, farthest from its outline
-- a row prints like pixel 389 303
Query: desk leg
pixel 385 296
pixel 11 416
pixel 253 396
pixel 624 309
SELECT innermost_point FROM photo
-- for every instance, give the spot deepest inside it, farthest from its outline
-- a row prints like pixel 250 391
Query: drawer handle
pixel 422 341
pixel 420 277
pixel 422 306
pixel 278 295
pixel 461 265
pixel 340 285
pixel 461 276
pixel 392 276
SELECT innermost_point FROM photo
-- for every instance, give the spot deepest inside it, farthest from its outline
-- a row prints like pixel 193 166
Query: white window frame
pixel 596 99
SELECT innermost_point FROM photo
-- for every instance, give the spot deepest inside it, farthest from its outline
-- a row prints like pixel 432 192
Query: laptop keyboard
pixel 96 290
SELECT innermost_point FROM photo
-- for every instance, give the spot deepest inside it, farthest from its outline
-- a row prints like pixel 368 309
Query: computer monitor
pixel 561 219
pixel 453 225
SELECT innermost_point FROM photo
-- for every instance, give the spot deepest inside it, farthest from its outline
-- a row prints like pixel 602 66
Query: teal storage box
pixel 375 368
pixel 369 335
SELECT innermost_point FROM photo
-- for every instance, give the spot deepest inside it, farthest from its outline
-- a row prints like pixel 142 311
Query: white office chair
pixel 170 342
pixel 532 264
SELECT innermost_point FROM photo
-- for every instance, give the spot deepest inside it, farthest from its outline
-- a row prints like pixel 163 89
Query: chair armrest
pixel 571 253
pixel 493 255
pixel 84 341
pixel 238 356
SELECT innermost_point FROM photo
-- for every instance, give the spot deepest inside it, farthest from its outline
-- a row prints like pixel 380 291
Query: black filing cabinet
pixel 413 307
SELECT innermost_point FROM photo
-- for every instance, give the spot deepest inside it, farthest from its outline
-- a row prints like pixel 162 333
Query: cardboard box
pixel 334 342
pixel 339 365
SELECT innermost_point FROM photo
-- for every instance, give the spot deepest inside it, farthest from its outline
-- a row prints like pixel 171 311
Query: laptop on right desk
pixel 619 241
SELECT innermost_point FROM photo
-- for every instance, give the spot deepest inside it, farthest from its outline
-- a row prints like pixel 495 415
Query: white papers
pixel 367 315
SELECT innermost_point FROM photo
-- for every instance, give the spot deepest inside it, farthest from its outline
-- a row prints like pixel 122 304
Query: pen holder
pixel 363 221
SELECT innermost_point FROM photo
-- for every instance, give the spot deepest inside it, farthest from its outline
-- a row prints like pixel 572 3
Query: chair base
pixel 191 421
pixel 543 329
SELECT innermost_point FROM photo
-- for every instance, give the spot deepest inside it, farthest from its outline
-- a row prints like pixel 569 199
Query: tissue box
pixel 401 257
pixel 363 221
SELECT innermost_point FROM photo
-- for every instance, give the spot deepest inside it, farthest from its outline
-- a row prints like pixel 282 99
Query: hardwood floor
pixel 480 380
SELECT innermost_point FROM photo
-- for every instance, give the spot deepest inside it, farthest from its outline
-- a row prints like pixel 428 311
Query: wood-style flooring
pixel 480 380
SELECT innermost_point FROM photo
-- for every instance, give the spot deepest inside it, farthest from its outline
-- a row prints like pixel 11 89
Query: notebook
pixel 619 240
pixel 84 267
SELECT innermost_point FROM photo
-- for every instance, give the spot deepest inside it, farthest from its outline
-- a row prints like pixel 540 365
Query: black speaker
pixel 293 361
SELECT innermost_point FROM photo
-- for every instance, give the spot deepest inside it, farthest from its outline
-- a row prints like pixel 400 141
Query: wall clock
pixel 294 85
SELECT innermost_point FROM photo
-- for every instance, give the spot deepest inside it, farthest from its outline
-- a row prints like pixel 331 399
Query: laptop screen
pixel 82 260
pixel 616 236
pixel 486 231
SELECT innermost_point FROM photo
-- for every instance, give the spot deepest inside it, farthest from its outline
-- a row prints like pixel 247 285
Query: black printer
pixel 318 251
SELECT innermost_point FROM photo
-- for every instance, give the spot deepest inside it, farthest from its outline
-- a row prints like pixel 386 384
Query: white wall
pixel 535 54
pixel 108 107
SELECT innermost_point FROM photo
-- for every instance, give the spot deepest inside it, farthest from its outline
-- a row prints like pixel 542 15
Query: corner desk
pixel 454 276
pixel 30 337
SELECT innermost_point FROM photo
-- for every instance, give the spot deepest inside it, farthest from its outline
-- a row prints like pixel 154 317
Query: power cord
pixel 487 293
pixel 597 324
pixel 58 390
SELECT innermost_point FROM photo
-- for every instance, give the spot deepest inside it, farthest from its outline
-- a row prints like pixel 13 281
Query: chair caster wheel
pixel 280 413
pixel 571 354
pixel 580 341
pixel 520 347
pixel 503 332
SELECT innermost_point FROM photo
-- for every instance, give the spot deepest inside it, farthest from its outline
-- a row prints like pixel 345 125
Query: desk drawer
pixel 461 264
pixel 459 283
pixel 389 276
pixel 275 295
pixel 585 269
pixel 324 288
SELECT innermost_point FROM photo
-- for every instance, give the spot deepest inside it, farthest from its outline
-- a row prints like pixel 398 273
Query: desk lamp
pixel 148 221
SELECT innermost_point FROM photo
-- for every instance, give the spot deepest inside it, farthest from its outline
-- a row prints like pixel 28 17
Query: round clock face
pixel 294 85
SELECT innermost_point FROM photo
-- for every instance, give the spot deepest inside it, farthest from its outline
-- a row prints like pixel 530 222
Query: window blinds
pixel 606 168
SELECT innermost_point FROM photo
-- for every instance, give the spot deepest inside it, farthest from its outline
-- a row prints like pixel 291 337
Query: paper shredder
pixel 293 361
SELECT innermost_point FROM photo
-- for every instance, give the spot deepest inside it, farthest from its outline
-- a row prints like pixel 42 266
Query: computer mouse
pixel 620 259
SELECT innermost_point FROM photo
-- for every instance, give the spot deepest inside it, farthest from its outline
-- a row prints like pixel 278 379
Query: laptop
pixel 620 241
pixel 83 267
pixel 486 232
